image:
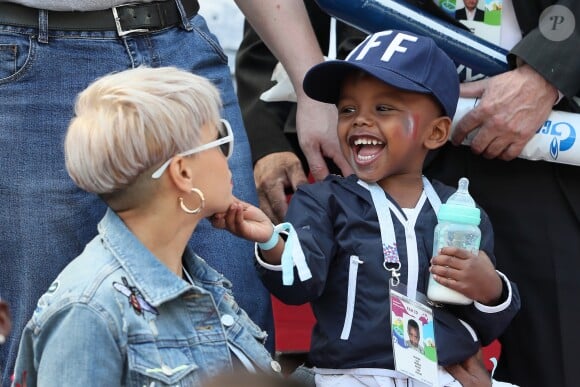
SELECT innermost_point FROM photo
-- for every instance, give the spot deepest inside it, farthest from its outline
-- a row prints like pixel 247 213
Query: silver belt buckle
pixel 120 30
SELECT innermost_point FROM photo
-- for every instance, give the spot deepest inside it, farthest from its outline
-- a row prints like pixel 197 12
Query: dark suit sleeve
pixel 557 62
pixel 491 321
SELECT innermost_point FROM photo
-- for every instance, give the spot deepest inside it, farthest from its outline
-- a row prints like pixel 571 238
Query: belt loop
pixel 42 26
pixel 184 20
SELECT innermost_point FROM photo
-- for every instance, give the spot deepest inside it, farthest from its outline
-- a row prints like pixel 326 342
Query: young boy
pixel 351 238
pixel 414 336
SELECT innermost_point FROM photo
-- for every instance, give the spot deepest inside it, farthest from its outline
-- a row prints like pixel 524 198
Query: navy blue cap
pixel 401 59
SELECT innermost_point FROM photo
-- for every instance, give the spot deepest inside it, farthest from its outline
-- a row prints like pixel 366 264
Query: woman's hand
pixel 471 275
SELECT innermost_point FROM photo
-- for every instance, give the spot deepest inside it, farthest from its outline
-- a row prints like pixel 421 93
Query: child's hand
pixel 471 275
pixel 5 321
pixel 244 220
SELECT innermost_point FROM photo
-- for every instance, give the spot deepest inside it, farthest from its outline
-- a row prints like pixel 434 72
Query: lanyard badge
pixel 384 207
pixel 413 336
pixel 412 325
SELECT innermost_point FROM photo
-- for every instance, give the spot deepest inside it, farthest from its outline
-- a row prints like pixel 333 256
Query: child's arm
pixel 471 275
pixel 249 222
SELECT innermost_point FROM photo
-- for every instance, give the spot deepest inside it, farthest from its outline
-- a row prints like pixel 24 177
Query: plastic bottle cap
pixel 460 207
pixel 459 214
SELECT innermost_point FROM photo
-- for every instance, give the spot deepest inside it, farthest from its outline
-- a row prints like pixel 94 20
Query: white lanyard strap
pixel 384 206
pixel 246 362
pixel 389 243
pixel 292 256
pixel 434 199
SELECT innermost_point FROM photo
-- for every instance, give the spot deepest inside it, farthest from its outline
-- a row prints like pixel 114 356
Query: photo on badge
pixel 482 17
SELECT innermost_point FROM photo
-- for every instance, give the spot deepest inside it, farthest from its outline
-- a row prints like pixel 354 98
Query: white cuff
pixel 497 308
pixel 263 263
pixel 560 96
pixel 292 256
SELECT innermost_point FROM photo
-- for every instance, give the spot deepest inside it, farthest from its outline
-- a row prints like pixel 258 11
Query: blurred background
pixel 227 22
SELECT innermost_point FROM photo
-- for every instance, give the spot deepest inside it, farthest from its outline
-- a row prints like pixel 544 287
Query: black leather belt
pixel 125 19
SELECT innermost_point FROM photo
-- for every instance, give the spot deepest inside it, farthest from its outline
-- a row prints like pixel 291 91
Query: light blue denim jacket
pixel 117 316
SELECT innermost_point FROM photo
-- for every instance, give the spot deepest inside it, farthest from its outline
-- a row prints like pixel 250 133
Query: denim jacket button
pixel 275 366
pixel 227 320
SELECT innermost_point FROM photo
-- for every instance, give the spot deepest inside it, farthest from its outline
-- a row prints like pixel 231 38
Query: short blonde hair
pixel 127 122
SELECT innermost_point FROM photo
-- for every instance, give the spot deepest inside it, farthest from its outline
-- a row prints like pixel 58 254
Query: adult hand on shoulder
pixel 513 106
pixel 316 126
pixel 275 21
pixel 471 372
pixel 274 174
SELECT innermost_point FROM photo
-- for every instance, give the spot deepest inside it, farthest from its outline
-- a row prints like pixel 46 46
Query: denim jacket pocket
pixel 152 365
pixel 15 55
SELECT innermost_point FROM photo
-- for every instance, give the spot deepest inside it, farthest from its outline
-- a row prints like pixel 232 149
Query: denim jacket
pixel 117 316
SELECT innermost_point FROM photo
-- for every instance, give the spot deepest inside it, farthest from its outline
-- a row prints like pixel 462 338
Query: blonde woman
pixel 138 307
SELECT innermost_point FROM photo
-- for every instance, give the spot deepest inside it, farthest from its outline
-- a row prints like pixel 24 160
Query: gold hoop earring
pixel 198 209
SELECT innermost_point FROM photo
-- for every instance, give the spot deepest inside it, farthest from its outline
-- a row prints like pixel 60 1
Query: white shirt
pixel 470 14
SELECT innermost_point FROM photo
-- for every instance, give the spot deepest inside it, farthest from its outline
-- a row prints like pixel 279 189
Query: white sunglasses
pixel 225 141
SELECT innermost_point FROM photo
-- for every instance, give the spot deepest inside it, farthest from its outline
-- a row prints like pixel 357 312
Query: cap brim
pixel 324 81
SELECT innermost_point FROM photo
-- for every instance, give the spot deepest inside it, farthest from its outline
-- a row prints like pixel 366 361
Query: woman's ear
pixel 181 173
pixel 438 134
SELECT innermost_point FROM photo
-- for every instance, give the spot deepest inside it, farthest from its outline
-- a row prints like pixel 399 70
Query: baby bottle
pixel 457 227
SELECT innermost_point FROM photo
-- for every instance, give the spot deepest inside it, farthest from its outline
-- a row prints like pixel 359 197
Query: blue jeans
pixel 45 220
